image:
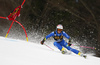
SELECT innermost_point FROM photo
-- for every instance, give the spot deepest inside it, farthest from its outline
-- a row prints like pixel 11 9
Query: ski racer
pixel 60 42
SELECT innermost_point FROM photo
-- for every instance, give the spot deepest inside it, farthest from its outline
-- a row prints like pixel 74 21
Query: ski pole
pixel 49 47
pixel 88 47
pixel 84 46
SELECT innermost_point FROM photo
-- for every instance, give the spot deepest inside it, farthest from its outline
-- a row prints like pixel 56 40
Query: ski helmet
pixel 59 26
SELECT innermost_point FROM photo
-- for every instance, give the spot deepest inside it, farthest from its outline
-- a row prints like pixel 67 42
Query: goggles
pixel 59 29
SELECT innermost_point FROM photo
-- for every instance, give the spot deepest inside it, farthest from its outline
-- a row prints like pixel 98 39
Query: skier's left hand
pixel 69 44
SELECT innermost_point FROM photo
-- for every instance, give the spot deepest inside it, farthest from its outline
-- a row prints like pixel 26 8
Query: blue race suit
pixel 60 42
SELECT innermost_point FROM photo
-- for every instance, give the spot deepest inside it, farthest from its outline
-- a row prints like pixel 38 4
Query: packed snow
pixel 17 52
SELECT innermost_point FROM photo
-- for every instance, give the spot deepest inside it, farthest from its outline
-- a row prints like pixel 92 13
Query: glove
pixel 69 44
pixel 42 42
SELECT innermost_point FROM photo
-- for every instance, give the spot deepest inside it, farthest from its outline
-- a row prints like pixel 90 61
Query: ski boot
pixel 82 55
pixel 63 51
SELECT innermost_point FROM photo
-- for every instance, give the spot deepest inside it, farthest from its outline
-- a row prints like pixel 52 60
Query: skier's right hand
pixel 42 42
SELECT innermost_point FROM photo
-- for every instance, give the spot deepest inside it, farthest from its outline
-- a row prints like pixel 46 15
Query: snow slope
pixel 16 52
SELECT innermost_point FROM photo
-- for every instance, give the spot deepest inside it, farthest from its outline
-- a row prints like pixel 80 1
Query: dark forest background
pixel 80 18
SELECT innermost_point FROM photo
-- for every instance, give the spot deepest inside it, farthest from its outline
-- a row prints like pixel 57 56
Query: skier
pixel 60 42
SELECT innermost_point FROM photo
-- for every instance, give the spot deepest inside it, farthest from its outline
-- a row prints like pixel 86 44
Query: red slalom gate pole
pixel 23 2
pixel 3 17
pixel 9 29
pixel 23 29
